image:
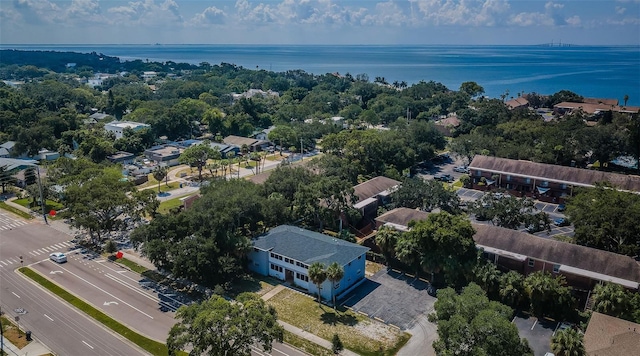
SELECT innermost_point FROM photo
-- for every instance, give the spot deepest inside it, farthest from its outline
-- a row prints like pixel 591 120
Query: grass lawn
pixel 305 345
pixel 151 346
pixel 132 265
pixel 13 334
pixel 253 283
pixel 167 205
pixel 357 332
pixel 373 267
pixel 457 184
pixel 50 205
pixel 13 210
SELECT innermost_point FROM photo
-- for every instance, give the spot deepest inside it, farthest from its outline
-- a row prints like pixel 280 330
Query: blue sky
pixel 584 22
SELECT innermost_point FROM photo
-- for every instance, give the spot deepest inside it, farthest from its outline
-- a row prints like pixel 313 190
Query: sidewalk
pixel 301 333
pixel 34 348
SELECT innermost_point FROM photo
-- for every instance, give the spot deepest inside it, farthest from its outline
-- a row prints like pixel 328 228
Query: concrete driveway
pixel 401 300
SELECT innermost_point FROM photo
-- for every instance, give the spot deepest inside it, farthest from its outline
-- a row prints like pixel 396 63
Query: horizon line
pixel 547 44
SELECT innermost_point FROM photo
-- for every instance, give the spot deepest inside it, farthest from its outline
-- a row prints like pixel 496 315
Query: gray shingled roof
pixel 402 216
pixel 308 246
pixel 540 248
pixel 551 172
pixel 373 187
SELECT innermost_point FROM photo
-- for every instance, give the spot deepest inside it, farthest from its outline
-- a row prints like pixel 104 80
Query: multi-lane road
pixel 113 289
pixel 57 325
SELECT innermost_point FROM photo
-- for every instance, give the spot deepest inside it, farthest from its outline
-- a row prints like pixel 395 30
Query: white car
pixel 461 169
pixel 58 257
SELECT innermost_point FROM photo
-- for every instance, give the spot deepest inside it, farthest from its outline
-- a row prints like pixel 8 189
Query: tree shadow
pixel 334 317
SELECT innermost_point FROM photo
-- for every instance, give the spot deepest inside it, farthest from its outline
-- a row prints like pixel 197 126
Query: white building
pixel 285 252
pixel 118 127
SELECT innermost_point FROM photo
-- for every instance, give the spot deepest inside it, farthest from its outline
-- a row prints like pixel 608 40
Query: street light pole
pixel 44 214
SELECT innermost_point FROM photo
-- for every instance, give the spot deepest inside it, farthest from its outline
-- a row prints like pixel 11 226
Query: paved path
pixel 299 332
pixel 33 348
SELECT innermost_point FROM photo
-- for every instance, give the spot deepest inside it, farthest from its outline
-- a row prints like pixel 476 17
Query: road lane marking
pixel 534 324
pixel 15 295
pixel 32 254
pixel 4 263
pixel 84 342
pixel 109 294
pixel 48 317
pixel 133 288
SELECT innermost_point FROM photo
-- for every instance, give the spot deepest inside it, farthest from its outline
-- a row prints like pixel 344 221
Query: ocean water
pixel 591 71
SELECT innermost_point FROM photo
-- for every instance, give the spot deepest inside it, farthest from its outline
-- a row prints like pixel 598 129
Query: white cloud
pixel 37 11
pixel 620 10
pixel 84 11
pixel 386 13
pixel 574 20
pixel 146 13
pixel 552 16
pixel 531 19
pixel 210 15
pixel 463 12
pixel 551 5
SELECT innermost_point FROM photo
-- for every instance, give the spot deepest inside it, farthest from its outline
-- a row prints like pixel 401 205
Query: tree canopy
pixel 218 327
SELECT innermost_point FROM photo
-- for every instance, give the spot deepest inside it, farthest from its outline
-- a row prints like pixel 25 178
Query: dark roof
pixel 609 336
pixel 239 141
pixel 373 187
pixel 402 216
pixel 600 101
pixel 550 172
pixel 307 246
pixel 540 248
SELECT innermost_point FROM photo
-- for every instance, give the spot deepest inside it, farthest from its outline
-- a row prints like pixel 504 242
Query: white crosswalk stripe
pixel 4 263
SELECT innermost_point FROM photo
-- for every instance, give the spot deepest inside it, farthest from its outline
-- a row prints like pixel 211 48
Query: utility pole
pixel 42 202
pixel 301 151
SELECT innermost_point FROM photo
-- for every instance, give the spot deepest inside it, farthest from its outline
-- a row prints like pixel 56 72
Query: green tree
pixel 197 155
pixel 386 239
pixel 470 324
pixel 218 327
pixel 159 174
pixel 626 98
pixel 549 296
pixel 568 342
pixel 99 204
pixel 512 290
pixel 336 344
pixel 317 275
pixel 472 89
pixel 6 178
pixel 607 219
pixel 335 272
pixel 426 195
pixel 612 299
pixel 441 243
pixel 110 246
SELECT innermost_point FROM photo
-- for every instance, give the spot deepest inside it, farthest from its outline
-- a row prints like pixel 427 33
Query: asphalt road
pixel 107 286
pixel 53 322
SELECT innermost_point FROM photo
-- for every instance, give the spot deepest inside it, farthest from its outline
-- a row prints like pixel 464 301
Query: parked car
pixel 562 207
pixel 461 169
pixel 533 228
pixel 58 257
pixel 444 177
pixel 561 222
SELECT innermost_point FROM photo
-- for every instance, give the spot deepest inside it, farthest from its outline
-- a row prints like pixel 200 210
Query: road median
pixel 149 345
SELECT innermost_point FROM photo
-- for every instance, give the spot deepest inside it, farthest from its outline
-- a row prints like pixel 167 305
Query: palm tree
pixel 231 158
pixel 512 290
pixel 317 275
pixel 611 299
pixel 386 239
pixel 159 174
pixel 334 272
pixel 626 98
pixel 568 342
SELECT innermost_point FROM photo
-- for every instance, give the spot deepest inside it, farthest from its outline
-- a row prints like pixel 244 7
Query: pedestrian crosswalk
pixel 7 222
pixel 40 252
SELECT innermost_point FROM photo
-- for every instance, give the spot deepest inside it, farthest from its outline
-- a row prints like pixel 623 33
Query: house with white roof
pixel 118 127
pixel 286 252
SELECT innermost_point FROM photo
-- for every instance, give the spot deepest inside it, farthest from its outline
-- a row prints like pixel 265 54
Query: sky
pixel 332 22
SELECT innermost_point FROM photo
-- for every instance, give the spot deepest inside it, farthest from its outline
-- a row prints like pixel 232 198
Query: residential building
pixel 225 149
pixel 609 336
pixel 517 103
pixel 546 182
pixel 118 127
pixel 583 267
pixel 447 125
pixel 566 107
pixel 399 218
pixel 374 193
pixel 164 155
pixel 263 135
pixel 286 252
pixel 255 92
pixel 252 143
pixel 7 149
pixel 122 157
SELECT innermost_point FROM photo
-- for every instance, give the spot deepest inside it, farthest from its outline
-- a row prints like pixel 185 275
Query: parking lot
pixel 392 297
pixel 538 332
